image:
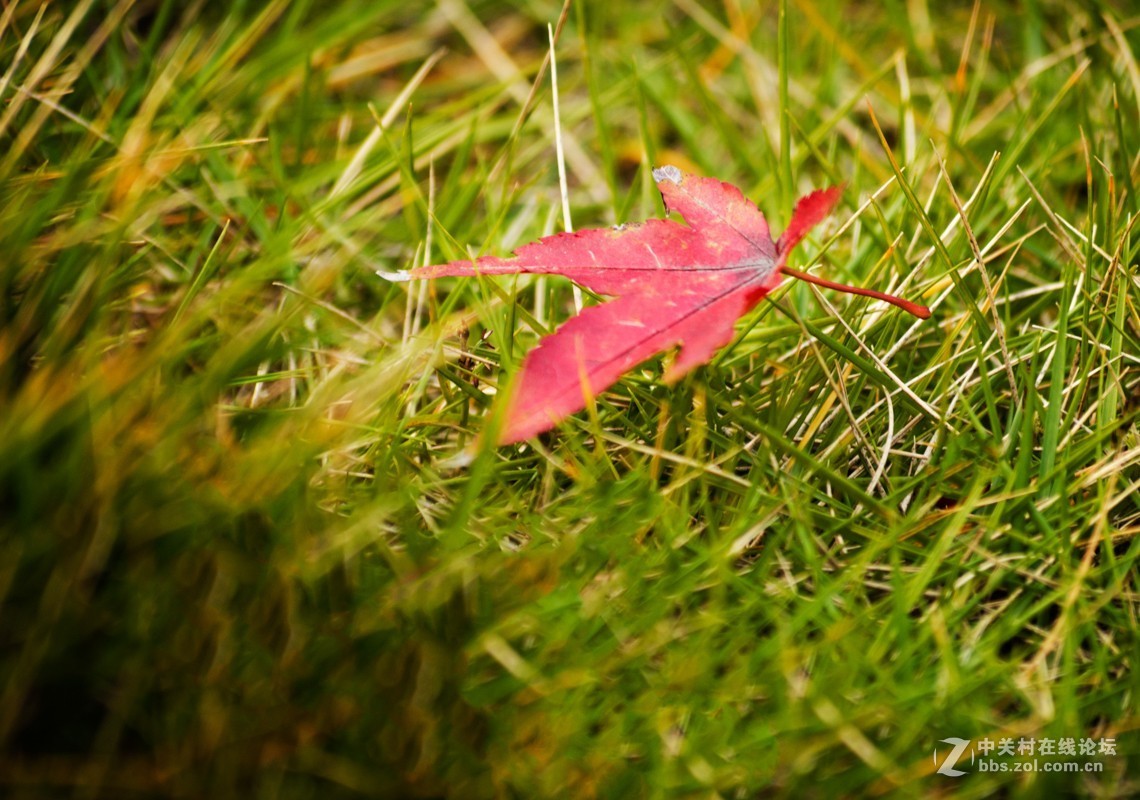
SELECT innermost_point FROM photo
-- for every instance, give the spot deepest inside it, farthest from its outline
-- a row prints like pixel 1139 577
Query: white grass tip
pixel 399 276
pixel 459 460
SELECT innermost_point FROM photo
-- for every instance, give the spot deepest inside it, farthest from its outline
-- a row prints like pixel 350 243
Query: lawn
pixel 252 542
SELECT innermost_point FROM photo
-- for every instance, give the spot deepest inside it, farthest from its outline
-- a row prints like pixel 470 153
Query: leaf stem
pixel 922 312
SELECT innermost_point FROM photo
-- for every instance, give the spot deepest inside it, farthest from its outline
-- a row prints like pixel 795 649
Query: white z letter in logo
pixel 947 767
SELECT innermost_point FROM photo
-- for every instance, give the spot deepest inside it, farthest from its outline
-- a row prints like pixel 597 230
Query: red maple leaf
pixel 674 285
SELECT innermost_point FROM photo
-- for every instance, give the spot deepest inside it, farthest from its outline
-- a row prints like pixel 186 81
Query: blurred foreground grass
pixel 236 555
